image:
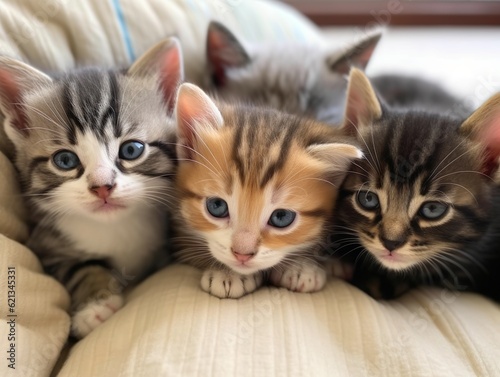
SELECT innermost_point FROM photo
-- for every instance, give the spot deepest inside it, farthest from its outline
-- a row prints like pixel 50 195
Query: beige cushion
pixel 40 323
pixel 169 327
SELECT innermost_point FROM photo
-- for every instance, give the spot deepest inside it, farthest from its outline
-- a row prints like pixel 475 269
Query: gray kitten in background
pixel 307 80
pixel 295 78
pixel 95 151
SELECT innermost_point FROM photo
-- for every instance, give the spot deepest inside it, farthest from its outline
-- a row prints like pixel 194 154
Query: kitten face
pixel 93 142
pixel 295 78
pixel 255 184
pixel 256 208
pixel 94 155
pixel 424 190
pixel 420 193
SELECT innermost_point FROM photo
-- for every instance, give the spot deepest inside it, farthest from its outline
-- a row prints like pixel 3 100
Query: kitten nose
pixel 392 244
pixel 243 257
pixel 102 192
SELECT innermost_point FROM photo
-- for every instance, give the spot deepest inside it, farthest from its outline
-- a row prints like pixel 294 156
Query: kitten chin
pixel 256 189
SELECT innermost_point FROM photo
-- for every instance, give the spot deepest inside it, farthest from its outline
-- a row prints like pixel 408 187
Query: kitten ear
pixel 194 111
pixel 484 126
pixel 163 61
pixel 358 55
pixel 16 79
pixel 362 105
pixel 223 52
pixel 337 156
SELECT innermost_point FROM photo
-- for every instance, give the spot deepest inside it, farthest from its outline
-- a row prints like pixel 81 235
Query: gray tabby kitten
pixel 94 150
pixel 295 78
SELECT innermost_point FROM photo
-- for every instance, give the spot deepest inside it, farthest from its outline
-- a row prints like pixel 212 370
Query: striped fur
pixel 257 161
pixel 413 158
pixel 94 243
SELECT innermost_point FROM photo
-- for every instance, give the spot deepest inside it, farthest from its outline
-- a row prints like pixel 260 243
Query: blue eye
pixel 281 218
pixel 368 200
pixel 131 150
pixel 66 160
pixel 433 210
pixel 217 207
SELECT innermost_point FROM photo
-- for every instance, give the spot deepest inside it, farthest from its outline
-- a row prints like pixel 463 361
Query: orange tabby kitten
pixel 256 189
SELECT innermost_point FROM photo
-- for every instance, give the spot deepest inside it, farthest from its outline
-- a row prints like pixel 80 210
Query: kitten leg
pixel 229 284
pixel 382 287
pixel 340 269
pixel 95 297
pixel 299 277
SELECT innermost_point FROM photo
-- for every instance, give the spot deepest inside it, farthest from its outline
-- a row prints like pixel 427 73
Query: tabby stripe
pixel 73 120
pixel 114 104
pixel 285 148
pixel 167 149
pixel 49 188
pixel 34 164
pixel 190 194
pixel 71 272
pixel 236 147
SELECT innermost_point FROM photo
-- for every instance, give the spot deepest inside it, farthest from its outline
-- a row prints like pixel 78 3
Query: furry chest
pixel 132 243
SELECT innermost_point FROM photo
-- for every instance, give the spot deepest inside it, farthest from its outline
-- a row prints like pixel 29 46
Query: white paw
pixel 93 313
pixel 299 278
pixel 341 270
pixel 229 284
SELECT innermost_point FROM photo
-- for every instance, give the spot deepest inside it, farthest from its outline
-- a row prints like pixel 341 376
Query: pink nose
pixel 243 257
pixel 102 192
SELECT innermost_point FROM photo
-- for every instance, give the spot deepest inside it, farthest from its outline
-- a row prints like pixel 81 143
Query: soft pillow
pixel 170 327
pixel 34 324
pixel 58 35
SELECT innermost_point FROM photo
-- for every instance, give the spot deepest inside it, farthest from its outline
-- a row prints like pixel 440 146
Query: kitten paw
pixel 229 284
pixel 93 313
pixel 299 278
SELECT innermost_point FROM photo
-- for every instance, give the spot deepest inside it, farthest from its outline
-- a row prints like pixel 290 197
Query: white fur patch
pixel 94 313
pixel 299 278
pixel 229 284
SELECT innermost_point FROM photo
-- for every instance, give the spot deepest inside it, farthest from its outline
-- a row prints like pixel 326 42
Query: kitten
pixel 256 188
pixel 418 93
pixel 306 80
pixel 423 207
pixel 295 78
pixel 93 150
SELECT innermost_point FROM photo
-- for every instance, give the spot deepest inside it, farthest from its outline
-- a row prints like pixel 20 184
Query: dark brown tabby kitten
pixel 423 207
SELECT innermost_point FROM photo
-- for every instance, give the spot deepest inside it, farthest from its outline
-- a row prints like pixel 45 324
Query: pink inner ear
pixel 11 94
pixel 355 107
pixel 362 59
pixel 185 116
pixel 171 75
pixel 491 138
pixel 223 51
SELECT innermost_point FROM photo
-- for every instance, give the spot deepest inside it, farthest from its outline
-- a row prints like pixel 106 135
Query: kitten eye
pixel 368 200
pixel 217 207
pixel 131 150
pixel 433 210
pixel 281 218
pixel 66 160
